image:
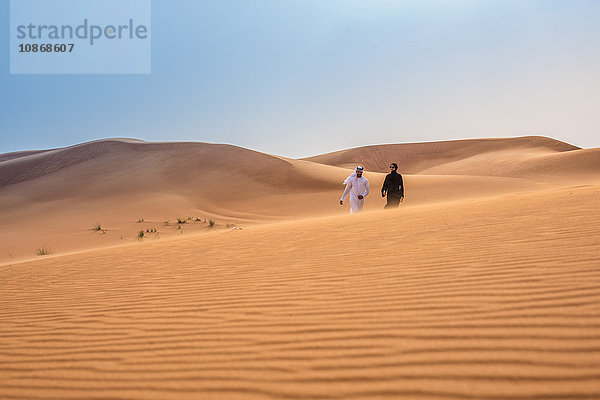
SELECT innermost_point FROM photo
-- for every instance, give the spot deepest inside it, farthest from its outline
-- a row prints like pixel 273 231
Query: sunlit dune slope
pixel 494 298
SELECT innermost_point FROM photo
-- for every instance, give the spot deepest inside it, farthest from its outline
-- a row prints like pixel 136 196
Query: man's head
pixel 359 170
pixel 394 166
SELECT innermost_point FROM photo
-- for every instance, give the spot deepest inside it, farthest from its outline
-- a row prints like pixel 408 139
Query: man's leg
pixel 361 203
pixel 356 205
pixel 353 206
pixel 393 201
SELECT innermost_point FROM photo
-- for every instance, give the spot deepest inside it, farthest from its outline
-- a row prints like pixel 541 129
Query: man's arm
pixel 384 188
pixel 368 189
pixel 401 187
pixel 346 191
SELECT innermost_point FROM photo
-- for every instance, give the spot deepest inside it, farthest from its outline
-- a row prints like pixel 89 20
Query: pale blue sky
pixel 302 77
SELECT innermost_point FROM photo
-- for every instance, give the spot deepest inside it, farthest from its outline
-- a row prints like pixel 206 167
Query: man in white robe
pixel 357 188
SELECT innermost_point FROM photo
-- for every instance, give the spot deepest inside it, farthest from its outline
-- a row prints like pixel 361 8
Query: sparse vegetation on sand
pixel 42 251
pixel 181 221
pixel 211 223
pixel 166 223
pixel 98 228
pixel 140 235
pixel 140 220
pixel 151 230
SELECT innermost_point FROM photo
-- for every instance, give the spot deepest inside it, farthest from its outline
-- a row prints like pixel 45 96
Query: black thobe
pixel 394 187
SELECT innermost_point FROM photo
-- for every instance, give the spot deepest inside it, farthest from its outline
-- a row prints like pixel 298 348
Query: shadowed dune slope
pixel 17 154
pixel 415 158
pixel 491 299
pixel 127 164
pixel 210 175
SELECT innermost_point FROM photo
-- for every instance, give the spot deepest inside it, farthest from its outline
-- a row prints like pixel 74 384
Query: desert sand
pixel 483 284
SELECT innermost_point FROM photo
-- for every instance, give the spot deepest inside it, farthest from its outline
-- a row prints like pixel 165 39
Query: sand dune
pixel 18 154
pixel 484 284
pixel 567 167
pixel 54 198
pixel 494 298
pixel 49 196
pixel 416 158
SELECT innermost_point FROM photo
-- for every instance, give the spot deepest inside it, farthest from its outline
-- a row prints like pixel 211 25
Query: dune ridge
pixel 419 157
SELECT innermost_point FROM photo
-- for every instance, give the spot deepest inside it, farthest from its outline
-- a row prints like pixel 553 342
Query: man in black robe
pixel 393 186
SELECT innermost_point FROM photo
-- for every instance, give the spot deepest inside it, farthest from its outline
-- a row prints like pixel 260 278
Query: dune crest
pixel 418 157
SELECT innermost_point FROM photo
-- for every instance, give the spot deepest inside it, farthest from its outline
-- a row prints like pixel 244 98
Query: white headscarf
pixel 352 175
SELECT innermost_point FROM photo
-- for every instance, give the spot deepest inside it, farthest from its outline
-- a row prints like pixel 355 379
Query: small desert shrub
pixel 140 235
pixel 198 220
pixel 211 223
pixel 42 251
pixel 166 223
pixel 190 218
pixel 151 230
pixel 181 221
pixel 140 220
pixel 98 228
